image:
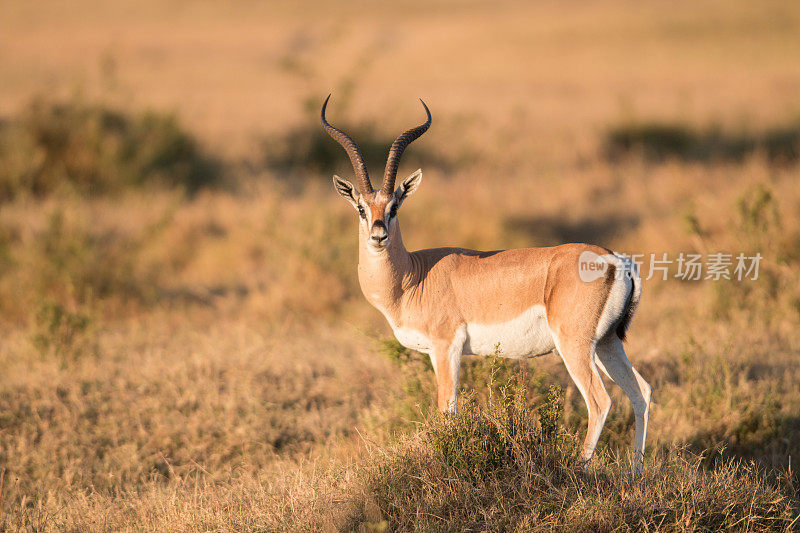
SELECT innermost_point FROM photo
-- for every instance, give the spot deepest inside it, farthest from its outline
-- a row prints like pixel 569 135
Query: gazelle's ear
pixel 346 189
pixel 408 186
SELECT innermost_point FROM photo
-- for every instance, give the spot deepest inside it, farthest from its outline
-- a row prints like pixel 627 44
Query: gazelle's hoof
pixel 584 462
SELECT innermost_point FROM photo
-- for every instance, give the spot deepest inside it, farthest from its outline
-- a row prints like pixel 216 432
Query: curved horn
pixel 397 150
pixel 356 159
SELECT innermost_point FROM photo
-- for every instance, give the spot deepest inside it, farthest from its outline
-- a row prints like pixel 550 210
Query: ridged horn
pixel 350 146
pixel 396 151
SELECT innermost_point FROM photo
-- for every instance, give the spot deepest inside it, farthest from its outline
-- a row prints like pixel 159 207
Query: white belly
pixel 524 336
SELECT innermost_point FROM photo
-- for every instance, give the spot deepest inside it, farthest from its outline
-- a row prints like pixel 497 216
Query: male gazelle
pixel 446 302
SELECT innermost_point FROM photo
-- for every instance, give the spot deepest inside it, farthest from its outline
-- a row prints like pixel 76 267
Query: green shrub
pixel 62 333
pixel 72 262
pixel 760 230
pixel 93 149
pixel 757 209
pixel 418 394
pixel 481 378
pixel 400 355
pixel 76 264
pixel 551 412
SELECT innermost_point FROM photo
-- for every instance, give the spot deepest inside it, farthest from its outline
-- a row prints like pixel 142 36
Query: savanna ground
pixel 184 343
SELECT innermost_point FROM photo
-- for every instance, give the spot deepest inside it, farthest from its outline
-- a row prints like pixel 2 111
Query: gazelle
pixel 574 299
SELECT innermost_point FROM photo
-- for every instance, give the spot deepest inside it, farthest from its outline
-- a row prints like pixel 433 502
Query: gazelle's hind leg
pixel 578 356
pixel 614 362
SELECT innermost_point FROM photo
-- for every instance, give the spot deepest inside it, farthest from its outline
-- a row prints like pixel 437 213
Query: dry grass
pixel 502 467
pixel 206 361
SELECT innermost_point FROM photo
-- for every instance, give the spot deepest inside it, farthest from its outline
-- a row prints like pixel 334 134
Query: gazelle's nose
pixel 378 235
pixel 379 240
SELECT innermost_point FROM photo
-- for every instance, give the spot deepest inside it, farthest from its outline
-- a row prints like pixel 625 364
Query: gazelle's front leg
pixel 446 359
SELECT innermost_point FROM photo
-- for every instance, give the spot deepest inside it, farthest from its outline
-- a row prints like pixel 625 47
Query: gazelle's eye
pixel 393 211
pixel 361 212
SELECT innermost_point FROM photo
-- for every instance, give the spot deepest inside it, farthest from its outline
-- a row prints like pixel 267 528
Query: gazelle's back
pixel 494 286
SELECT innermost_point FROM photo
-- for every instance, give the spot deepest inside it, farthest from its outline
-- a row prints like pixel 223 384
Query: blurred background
pixel 178 293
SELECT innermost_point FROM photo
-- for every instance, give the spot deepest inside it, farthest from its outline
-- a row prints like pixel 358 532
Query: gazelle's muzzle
pixel 379 235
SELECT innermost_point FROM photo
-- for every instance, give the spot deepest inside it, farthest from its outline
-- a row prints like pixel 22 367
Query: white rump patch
pixel 618 295
pixel 524 336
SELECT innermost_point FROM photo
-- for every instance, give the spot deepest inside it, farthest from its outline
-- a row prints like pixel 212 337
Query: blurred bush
pixel 761 227
pixel 70 262
pixel 62 333
pixel 93 149
pixel 306 150
pixel 659 141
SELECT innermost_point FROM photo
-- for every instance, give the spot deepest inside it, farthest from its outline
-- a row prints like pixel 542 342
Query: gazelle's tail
pixel 634 295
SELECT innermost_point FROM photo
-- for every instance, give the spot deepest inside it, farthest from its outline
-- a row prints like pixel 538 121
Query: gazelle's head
pixel 377 210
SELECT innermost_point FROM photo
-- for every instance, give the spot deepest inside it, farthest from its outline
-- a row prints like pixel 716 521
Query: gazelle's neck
pixel 382 274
